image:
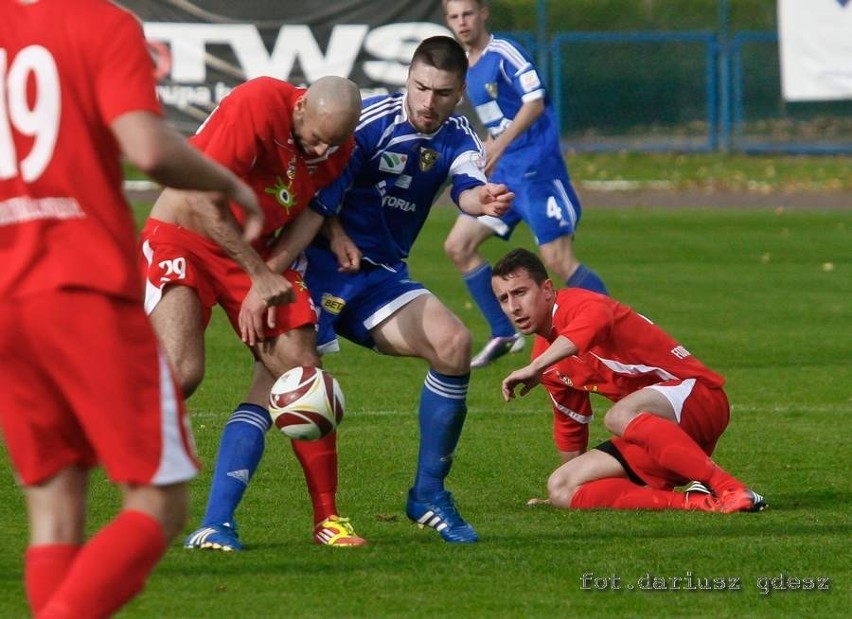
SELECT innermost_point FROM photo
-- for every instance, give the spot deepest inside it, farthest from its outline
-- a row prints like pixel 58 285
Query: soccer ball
pixel 306 403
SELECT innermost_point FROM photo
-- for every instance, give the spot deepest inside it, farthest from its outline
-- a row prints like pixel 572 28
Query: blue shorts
pixel 351 304
pixel 544 199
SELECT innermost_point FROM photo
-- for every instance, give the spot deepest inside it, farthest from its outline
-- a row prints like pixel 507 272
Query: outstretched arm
pixel 294 238
pixel 487 199
pixel 529 376
pixel 526 116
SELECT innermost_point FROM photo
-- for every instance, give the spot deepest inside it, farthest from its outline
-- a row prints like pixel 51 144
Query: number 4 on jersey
pixel 553 209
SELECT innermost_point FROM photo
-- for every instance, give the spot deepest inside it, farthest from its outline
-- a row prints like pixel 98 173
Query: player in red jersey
pixel 82 380
pixel 669 411
pixel 286 142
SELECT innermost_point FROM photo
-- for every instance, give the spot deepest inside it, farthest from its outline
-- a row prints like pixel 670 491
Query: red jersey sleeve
pixel 572 413
pixel 123 68
pixel 572 408
pixel 584 317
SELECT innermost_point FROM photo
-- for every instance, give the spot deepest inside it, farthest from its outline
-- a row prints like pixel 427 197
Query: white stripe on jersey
pixel 379 109
pixel 465 163
pixel 634 369
pixel 509 52
pixel 464 124
pixel 394 106
pixel 570 413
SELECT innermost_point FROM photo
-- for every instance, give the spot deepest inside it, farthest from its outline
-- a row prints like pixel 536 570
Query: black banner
pixel 203 49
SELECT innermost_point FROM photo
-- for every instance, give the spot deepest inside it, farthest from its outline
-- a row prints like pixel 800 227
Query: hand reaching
pixel 526 377
pixel 347 252
pixel 495 199
pixel 258 308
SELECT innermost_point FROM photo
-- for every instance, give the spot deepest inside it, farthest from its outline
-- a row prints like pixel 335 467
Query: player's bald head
pixel 335 103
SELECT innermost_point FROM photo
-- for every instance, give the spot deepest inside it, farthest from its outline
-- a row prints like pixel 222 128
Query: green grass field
pixel 764 297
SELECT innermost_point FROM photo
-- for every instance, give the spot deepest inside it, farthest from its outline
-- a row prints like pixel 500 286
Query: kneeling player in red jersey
pixel 669 411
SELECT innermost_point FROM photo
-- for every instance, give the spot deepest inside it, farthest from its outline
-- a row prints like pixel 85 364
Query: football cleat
pixel 697 496
pixel 442 515
pixel 337 531
pixel 697 487
pixel 215 537
pixel 741 500
pixel 496 347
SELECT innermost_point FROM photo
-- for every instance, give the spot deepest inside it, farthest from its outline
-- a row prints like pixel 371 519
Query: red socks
pixel 674 449
pixel 319 464
pixel 45 567
pixel 620 493
pixel 109 570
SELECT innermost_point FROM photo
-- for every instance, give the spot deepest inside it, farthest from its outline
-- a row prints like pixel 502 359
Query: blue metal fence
pixel 706 45
pixel 794 126
pixel 737 77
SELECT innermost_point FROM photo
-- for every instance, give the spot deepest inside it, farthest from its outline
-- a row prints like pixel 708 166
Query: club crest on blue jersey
pixel 428 157
pixel 491 89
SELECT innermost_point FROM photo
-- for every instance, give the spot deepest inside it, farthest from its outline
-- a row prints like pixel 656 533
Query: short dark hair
pixel 444 53
pixel 479 3
pixel 521 259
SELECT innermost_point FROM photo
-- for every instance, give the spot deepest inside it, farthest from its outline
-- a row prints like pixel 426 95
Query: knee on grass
pixel 561 489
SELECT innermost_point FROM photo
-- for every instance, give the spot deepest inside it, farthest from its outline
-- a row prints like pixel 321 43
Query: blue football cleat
pixel 215 537
pixel 442 515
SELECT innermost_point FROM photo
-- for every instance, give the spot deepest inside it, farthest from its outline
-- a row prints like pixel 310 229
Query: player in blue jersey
pixel 406 148
pixel 523 152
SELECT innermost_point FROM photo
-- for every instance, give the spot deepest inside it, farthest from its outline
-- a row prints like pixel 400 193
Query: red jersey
pixel 251 132
pixel 64 221
pixel 620 351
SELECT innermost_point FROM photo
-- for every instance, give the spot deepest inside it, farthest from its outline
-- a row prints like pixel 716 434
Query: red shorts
pixel 704 416
pixel 83 381
pixel 176 256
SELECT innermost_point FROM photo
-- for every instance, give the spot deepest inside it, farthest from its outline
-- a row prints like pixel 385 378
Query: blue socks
pixel 478 282
pixel 584 277
pixel 442 412
pixel 240 450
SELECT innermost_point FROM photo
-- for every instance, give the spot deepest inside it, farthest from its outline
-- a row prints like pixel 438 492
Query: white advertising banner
pixel 815 38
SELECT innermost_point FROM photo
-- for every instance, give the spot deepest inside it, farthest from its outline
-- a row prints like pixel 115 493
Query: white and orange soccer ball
pixel 306 403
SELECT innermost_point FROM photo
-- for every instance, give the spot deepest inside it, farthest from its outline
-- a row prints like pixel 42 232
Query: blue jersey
pixel 394 175
pixel 500 82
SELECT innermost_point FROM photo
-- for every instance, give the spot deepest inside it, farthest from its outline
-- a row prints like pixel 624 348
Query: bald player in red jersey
pixel 669 411
pixel 286 143
pixel 82 379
